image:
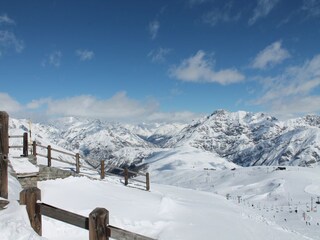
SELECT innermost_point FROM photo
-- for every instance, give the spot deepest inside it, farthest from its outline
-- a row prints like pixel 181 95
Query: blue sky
pixel 159 60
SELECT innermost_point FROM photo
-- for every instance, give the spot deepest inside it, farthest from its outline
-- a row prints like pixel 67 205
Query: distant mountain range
pixel 244 138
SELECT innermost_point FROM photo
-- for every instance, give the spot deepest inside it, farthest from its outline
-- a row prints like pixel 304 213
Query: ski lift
pixel 318 200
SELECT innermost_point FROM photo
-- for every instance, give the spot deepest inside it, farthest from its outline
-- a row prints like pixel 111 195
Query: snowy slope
pixel 286 198
pixel 185 157
pixel 164 213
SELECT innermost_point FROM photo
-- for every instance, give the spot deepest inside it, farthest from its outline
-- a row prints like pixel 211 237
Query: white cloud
pixel 54 59
pixel 117 108
pixel 292 92
pixel 296 107
pixel 183 116
pixel 199 69
pixel 223 14
pixel 270 56
pixel 8 41
pixel 192 3
pixel 262 9
pixel 159 55
pixel 7 103
pixel 85 55
pixel 311 8
pixel 4 19
pixel 36 104
pixel 154 28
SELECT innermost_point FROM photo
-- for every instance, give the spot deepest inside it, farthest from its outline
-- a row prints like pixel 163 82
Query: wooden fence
pixel 4 150
pixel 24 145
pixel 49 155
pixel 127 174
pixel 97 223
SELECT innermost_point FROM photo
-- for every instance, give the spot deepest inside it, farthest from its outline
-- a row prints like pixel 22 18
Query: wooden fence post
pixel 25 145
pixel 98 224
pixel 34 149
pixel 77 162
pixel 49 156
pixel 102 169
pixel 126 176
pixel 4 150
pixel 147 181
pixel 29 197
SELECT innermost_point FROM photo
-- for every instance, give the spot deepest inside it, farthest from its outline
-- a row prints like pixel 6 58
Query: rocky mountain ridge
pixel 244 138
pixel 249 139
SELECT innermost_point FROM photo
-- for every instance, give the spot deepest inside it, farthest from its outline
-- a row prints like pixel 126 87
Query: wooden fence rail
pixel 97 223
pixel 25 144
pixel 126 175
pixel 49 155
pixel 126 172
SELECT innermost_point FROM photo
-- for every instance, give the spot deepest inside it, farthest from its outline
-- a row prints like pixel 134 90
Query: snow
pixel 186 157
pixel 165 213
pixel 22 165
pixel 169 212
pixel 271 193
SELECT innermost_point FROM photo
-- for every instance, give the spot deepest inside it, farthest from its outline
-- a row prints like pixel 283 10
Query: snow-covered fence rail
pixel 126 174
pixel 50 157
pixel 97 223
pixel 24 145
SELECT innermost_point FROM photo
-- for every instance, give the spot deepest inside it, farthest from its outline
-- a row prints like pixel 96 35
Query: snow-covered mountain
pixel 244 138
pixel 156 133
pixel 120 144
pixel 251 139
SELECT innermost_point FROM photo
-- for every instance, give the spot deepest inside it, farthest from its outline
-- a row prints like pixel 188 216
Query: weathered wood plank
pixel 60 160
pixel 3 203
pixel 29 197
pixel 20 146
pixel 64 216
pixel 34 149
pixel 42 155
pixel 133 172
pixel 15 136
pixel 147 181
pixel 112 174
pixel 102 170
pixel 120 234
pixel 23 175
pixel 25 145
pixel 136 180
pixel 77 163
pixel 63 152
pixel 49 155
pixel 126 176
pixel 98 224
pixel 4 150
pixel 42 146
